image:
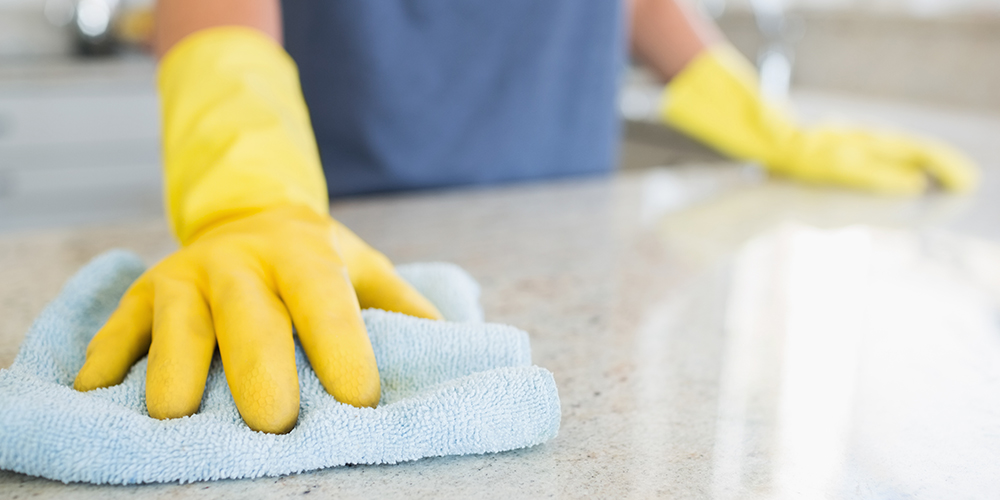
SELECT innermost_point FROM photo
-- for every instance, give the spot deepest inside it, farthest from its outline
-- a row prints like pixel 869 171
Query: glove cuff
pixel 716 99
pixel 236 132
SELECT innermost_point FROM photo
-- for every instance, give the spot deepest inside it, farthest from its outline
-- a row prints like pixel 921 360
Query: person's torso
pixel 410 94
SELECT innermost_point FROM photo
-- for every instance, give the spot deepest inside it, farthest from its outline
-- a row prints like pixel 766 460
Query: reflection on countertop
pixel 860 363
pixel 714 334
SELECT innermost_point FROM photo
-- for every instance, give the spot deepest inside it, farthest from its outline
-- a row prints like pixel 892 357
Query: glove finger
pixel 884 177
pixel 255 341
pixel 848 158
pixel 953 169
pixel 382 288
pixel 375 280
pixel 949 166
pixel 887 147
pixel 181 351
pixel 328 320
pixel 123 339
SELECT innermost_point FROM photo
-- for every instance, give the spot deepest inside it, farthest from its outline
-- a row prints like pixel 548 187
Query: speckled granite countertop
pixel 622 283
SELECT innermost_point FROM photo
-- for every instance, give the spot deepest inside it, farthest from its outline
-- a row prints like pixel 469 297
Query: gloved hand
pixel 244 283
pixel 246 198
pixel 715 99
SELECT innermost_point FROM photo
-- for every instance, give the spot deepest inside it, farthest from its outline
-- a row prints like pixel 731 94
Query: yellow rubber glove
pixel 716 99
pixel 260 253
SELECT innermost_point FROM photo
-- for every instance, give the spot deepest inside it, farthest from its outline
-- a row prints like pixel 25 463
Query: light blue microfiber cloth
pixel 448 388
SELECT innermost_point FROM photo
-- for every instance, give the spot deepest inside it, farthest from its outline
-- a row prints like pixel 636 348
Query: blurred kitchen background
pixel 78 111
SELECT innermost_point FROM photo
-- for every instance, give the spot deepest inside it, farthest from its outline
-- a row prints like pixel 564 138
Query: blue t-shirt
pixel 408 94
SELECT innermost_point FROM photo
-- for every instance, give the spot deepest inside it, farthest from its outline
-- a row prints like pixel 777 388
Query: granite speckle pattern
pixel 624 289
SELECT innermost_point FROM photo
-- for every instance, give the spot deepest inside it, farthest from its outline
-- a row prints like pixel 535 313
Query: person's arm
pixel 176 19
pixel 246 198
pixel 712 94
pixel 667 35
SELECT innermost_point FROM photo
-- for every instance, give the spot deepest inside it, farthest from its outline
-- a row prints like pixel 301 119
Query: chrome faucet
pixel 779 32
